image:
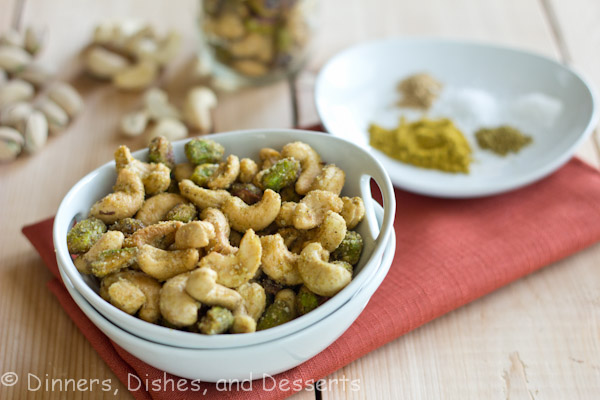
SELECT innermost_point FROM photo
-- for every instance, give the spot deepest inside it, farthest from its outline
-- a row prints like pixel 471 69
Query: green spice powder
pixel 502 140
pixel 434 144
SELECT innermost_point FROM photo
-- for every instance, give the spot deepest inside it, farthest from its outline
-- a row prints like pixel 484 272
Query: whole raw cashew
pixel 331 179
pixel 248 170
pixel 319 275
pixel 110 240
pixel 127 198
pixel 162 264
pixel 255 299
pixel 149 310
pixel 193 235
pixel 310 211
pixel 126 296
pixel 257 216
pixel 155 176
pixel 331 232
pixel 156 207
pixel 201 197
pixel 278 262
pixel 309 160
pixel 176 306
pixel 202 285
pixel 220 243
pixel 226 174
pixel 161 235
pixel 353 211
pixel 236 269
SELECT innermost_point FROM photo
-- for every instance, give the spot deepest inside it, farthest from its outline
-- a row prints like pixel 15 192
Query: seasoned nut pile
pixel 220 244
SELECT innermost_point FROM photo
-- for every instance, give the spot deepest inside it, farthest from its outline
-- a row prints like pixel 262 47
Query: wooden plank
pixel 578 30
pixel 37 336
pixel 510 344
pixel 521 24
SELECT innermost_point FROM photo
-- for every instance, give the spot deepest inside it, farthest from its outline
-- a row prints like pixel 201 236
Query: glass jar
pixel 256 41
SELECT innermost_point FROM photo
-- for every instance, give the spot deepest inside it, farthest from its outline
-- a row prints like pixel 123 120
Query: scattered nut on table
pixel 21 79
pixel 129 53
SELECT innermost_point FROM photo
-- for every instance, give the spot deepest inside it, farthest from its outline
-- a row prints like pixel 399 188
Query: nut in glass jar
pixel 257 41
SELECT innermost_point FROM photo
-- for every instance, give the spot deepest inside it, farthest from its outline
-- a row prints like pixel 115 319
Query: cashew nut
pixel 226 174
pixel 278 262
pixel 155 176
pixel 309 160
pixel 248 170
pixel 176 306
pixel 110 240
pixel 125 201
pixel 196 109
pixel 331 179
pixel 149 310
pixel 331 232
pixel 255 299
pixel 162 264
pixel 160 235
pixel 195 234
pixel 236 269
pixel 202 285
pixel 156 207
pixel 310 211
pixel 242 321
pixel 220 243
pixel 319 275
pixel 353 211
pixel 126 296
pixel 257 216
pixel 201 197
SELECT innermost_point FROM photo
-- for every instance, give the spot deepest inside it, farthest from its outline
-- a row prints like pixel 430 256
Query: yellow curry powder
pixel 434 144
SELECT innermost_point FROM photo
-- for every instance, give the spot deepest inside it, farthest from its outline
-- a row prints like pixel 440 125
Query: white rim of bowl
pixel 223 341
pixel 519 182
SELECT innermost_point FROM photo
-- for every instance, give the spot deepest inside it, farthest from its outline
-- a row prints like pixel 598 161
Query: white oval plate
pixel 358 87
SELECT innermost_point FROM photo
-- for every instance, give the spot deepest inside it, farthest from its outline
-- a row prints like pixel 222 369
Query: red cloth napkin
pixel 448 253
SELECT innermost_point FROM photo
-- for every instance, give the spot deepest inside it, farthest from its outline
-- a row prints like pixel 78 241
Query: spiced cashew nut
pixel 234 270
pixel 156 207
pixel 194 235
pixel 310 211
pixel 310 162
pixel 278 262
pixel 155 176
pixel 176 306
pixel 201 197
pixel 162 264
pixel 255 299
pixel 330 233
pixel 202 285
pixel 220 242
pixel 127 301
pixel 161 235
pixel 331 178
pixel 111 240
pixel 226 173
pixel 321 276
pixel 127 198
pixel 353 211
pixel 257 216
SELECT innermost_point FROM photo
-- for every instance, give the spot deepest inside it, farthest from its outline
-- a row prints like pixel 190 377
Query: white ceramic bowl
pixel 359 166
pixel 248 362
pixel 357 87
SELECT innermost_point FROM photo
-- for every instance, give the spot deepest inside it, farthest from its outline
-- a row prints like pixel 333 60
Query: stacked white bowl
pixel 242 356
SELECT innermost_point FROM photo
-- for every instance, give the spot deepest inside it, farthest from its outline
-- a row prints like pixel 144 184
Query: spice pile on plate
pixel 452 117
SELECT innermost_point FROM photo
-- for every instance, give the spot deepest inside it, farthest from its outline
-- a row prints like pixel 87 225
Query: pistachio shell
pixel 13 58
pixel 57 118
pixel 14 91
pixel 67 98
pixel 36 132
pixel 15 115
pixel 11 143
pixel 103 63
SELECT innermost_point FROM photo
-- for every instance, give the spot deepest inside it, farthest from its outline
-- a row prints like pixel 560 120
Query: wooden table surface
pixel 538 338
